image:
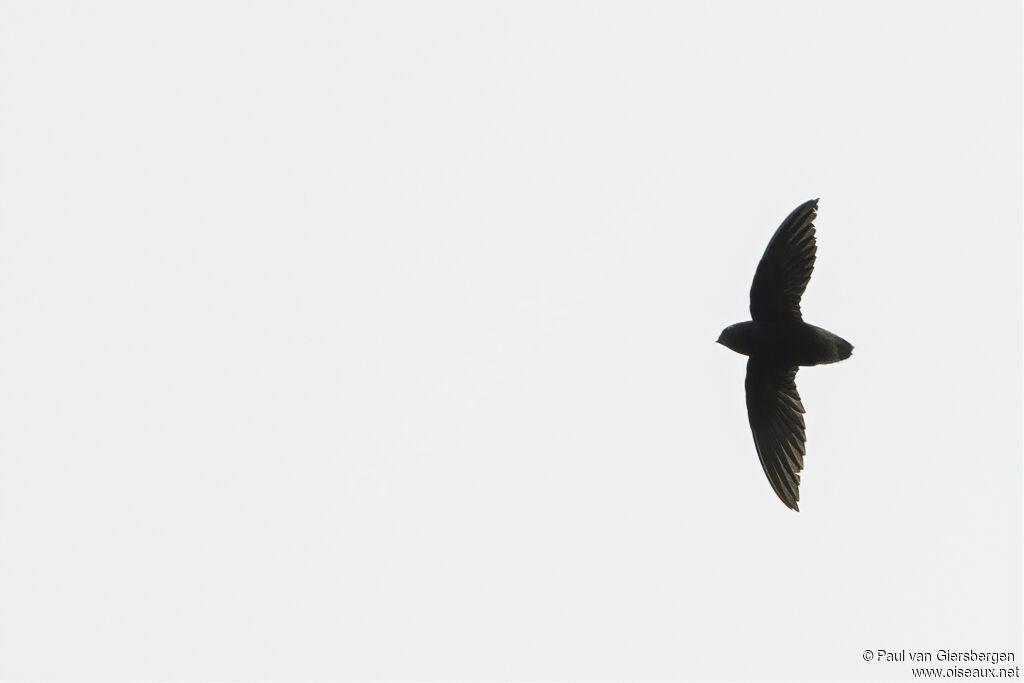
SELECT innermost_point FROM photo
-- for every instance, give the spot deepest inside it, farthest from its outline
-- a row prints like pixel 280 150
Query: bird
pixel 777 342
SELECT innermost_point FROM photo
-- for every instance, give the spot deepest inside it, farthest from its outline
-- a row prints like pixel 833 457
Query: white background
pixel 376 340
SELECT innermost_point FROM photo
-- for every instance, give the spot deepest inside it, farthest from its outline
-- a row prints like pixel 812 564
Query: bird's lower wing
pixel 776 420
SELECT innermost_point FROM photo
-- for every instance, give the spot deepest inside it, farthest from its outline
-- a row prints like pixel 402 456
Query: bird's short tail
pixel 844 349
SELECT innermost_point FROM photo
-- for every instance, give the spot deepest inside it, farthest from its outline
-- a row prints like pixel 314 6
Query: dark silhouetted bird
pixel 777 342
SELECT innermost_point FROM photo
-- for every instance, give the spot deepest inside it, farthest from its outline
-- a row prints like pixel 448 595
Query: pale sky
pixel 376 340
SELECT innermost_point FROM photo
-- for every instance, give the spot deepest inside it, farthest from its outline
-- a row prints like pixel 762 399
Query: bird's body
pixel 786 343
pixel 778 341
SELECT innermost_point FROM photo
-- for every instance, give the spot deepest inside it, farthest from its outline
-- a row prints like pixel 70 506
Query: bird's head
pixel 737 337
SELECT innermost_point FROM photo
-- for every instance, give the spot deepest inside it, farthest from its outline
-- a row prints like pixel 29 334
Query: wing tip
pixel 792 502
pixel 811 205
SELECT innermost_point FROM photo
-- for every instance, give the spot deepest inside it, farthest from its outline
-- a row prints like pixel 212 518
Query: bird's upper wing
pixel 785 267
pixel 776 420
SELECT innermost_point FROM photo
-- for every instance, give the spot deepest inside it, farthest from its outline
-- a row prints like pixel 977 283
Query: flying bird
pixel 777 342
